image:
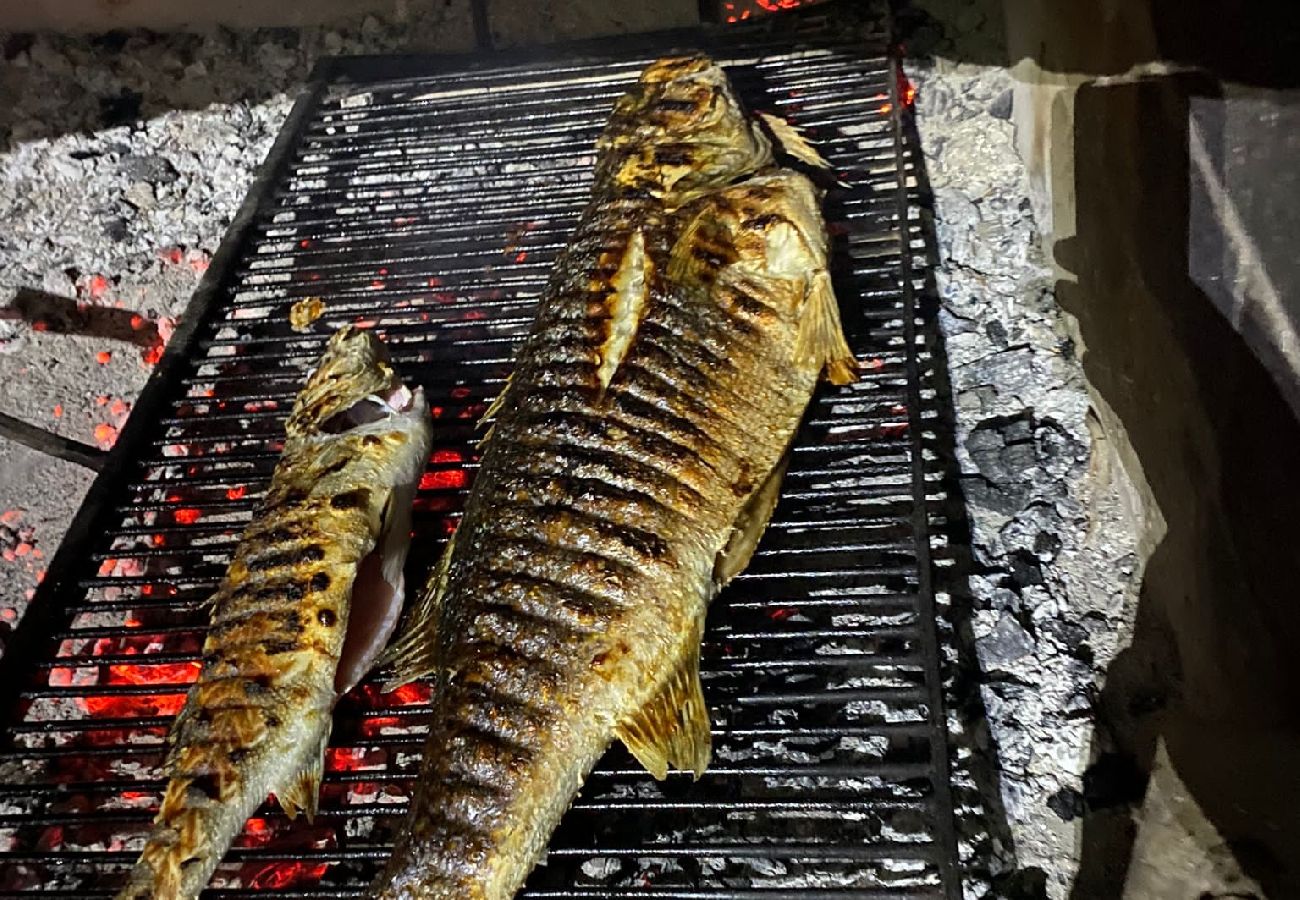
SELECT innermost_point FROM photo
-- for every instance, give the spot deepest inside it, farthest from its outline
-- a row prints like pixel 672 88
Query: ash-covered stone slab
pixel 1053 529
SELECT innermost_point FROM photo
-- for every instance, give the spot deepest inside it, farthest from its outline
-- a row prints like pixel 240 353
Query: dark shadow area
pixel 60 315
pixel 1212 672
pixel 1212 669
pixel 1234 40
pixel 989 831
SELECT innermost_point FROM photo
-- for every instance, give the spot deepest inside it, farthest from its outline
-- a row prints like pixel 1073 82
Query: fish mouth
pixel 395 401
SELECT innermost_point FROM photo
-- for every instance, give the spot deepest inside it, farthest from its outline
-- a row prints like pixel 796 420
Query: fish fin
pixel 673 728
pixel 685 266
pixel 626 305
pixel 792 141
pixel 493 408
pixel 303 790
pixel 750 525
pixel 821 335
pixel 414 654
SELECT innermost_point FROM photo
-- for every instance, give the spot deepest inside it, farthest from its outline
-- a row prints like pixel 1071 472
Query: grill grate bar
pixel 428 200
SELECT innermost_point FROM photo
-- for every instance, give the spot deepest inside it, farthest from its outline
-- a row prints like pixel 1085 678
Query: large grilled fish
pixel 311 597
pixel 634 461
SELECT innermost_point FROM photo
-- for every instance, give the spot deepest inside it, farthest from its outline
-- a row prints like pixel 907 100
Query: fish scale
pixel 659 388
pixel 258 716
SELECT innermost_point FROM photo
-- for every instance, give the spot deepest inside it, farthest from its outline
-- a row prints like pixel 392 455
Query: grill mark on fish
pixel 562 427
pixel 282 618
pixel 638 546
pixel 278 558
pixel 653 378
pixel 593 497
pixel 647 427
pixel 574 340
pixel 508 683
pixel 622 466
pixel 541 551
pixel 539 620
pixel 480 733
pixel 579 609
pixel 640 416
pixel 744 305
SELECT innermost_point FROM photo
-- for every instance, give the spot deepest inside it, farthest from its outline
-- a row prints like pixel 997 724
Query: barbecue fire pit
pixel 427 198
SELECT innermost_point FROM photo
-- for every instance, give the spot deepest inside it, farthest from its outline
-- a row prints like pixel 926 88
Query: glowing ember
pixel 97 285
pixel 447 456
pixel 279 876
pixel 103 357
pixel 181 673
pixel 236 493
pixel 447 479
pixel 58 410
pixel 187 515
pixel 105 435
pixel 173 255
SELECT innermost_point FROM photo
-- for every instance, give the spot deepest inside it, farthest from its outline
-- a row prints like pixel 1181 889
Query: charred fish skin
pixel 629 473
pixel 279 650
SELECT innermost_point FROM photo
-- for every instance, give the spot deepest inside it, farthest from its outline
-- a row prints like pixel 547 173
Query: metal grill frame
pixel 60 591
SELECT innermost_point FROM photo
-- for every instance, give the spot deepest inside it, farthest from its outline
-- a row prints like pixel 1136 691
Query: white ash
pixel 1053 543
pixel 123 159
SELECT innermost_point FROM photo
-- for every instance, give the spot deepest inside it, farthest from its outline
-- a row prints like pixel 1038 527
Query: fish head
pixel 679 130
pixel 354 384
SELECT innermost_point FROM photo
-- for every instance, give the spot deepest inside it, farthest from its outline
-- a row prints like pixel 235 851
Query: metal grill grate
pixel 428 198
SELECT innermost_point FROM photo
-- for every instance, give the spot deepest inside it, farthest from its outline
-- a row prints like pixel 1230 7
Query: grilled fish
pixel 634 461
pixel 312 595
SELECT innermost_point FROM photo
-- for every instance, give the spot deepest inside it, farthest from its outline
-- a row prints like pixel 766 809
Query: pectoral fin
pixel 303 790
pixel 672 730
pixel 750 525
pixel 699 246
pixel 821 335
pixel 414 654
pixel 792 141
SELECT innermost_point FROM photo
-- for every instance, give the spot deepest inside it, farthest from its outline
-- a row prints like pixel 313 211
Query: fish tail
pixel 225 761
pixel 189 837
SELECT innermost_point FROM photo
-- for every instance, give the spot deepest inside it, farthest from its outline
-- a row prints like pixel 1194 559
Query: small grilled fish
pixel 312 595
pixel 633 464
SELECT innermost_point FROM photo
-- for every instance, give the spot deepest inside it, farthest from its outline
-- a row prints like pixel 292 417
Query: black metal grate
pixel 428 198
